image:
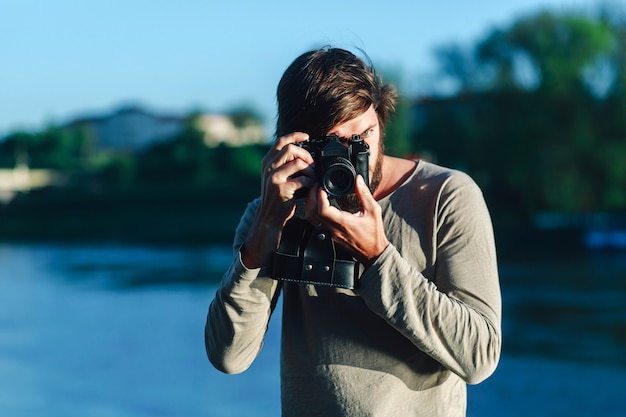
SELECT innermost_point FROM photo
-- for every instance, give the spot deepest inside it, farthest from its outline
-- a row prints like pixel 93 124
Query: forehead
pixel 358 125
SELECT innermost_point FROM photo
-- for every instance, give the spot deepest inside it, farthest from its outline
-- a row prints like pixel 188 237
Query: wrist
pixel 252 259
pixel 257 250
pixel 370 259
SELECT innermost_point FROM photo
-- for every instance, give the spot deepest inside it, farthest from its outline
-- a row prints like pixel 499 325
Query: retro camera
pixel 337 165
pixel 307 254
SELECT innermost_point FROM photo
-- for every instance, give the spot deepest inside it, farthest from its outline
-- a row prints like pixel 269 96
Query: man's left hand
pixel 362 233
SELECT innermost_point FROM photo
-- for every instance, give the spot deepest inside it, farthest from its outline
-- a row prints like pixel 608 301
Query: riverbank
pixel 195 216
pixel 149 216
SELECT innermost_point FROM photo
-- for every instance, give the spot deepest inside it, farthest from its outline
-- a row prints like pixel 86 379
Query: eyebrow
pixel 371 126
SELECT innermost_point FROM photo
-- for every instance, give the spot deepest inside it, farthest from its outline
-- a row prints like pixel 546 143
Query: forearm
pixel 238 317
pixel 461 335
pixel 239 314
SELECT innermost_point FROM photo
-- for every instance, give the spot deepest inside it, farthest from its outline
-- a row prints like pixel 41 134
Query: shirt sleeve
pixel 454 317
pixel 239 314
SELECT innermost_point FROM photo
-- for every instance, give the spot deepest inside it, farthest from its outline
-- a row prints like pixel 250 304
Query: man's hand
pixel 286 169
pixel 362 233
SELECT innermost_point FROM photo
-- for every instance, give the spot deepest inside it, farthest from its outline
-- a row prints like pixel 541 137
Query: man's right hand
pixel 287 168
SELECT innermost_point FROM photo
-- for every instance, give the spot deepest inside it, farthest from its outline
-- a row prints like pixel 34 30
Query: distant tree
pixel 186 162
pixel 183 160
pixel 458 64
pixel 52 148
pixel 14 147
pixel 398 130
pixel 244 116
pixel 546 51
pixel 538 116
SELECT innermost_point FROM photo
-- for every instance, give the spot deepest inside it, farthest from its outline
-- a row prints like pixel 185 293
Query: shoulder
pixel 437 179
pixel 441 188
pixel 457 196
pixel 428 171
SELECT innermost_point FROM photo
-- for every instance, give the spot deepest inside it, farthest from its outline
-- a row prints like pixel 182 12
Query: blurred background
pixel 131 137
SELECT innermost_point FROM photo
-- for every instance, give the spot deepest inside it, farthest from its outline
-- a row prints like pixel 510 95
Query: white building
pixel 132 128
pixel 22 179
pixel 129 128
pixel 219 129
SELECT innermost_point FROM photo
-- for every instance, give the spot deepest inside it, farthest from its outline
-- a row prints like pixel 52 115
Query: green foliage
pixel 53 148
pixel 119 172
pixel 244 116
pixel 550 144
pixel 177 191
pixel 398 130
pixel 558 49
pixel 182 160
pixel 185 161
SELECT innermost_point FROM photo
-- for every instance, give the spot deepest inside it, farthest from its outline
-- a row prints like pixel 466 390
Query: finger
pixel 291 153
pixel 327 211
pixel 294 137
pixel 279 147
pixel 364 194
pixel 323 203
pixel 288 179
pixel 282 144
pixel 303 180
pixel 284 167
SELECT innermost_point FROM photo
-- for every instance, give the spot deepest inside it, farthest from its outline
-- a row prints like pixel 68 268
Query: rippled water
pixel 118 331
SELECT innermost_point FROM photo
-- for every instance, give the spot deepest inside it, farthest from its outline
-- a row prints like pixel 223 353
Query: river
pixel 113 330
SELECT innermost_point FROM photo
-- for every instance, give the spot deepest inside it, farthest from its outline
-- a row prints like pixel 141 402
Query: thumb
pixel 363 192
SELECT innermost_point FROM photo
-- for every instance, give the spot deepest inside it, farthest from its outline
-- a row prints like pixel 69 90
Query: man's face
pixel 367 127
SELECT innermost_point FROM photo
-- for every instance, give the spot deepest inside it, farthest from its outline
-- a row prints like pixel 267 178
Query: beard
pixel 351 202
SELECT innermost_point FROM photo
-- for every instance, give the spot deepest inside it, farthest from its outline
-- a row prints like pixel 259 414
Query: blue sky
pixel 64 58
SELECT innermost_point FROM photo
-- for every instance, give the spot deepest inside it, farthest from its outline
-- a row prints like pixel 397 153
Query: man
pixel 424 317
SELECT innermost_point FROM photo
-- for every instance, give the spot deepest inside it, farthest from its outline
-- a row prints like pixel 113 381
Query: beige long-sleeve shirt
pixel 423 321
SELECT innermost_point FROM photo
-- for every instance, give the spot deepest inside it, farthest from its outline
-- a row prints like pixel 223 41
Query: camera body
pixel 337 165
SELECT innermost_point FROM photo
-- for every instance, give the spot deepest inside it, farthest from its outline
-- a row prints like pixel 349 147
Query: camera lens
pixel 339 179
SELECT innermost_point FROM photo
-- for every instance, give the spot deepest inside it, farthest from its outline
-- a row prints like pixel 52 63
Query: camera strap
pixel 308 255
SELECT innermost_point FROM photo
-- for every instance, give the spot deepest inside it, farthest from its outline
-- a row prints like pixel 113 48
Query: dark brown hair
pixel 326 87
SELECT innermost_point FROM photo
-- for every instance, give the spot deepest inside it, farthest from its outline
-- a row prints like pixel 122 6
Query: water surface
pixel 118 331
